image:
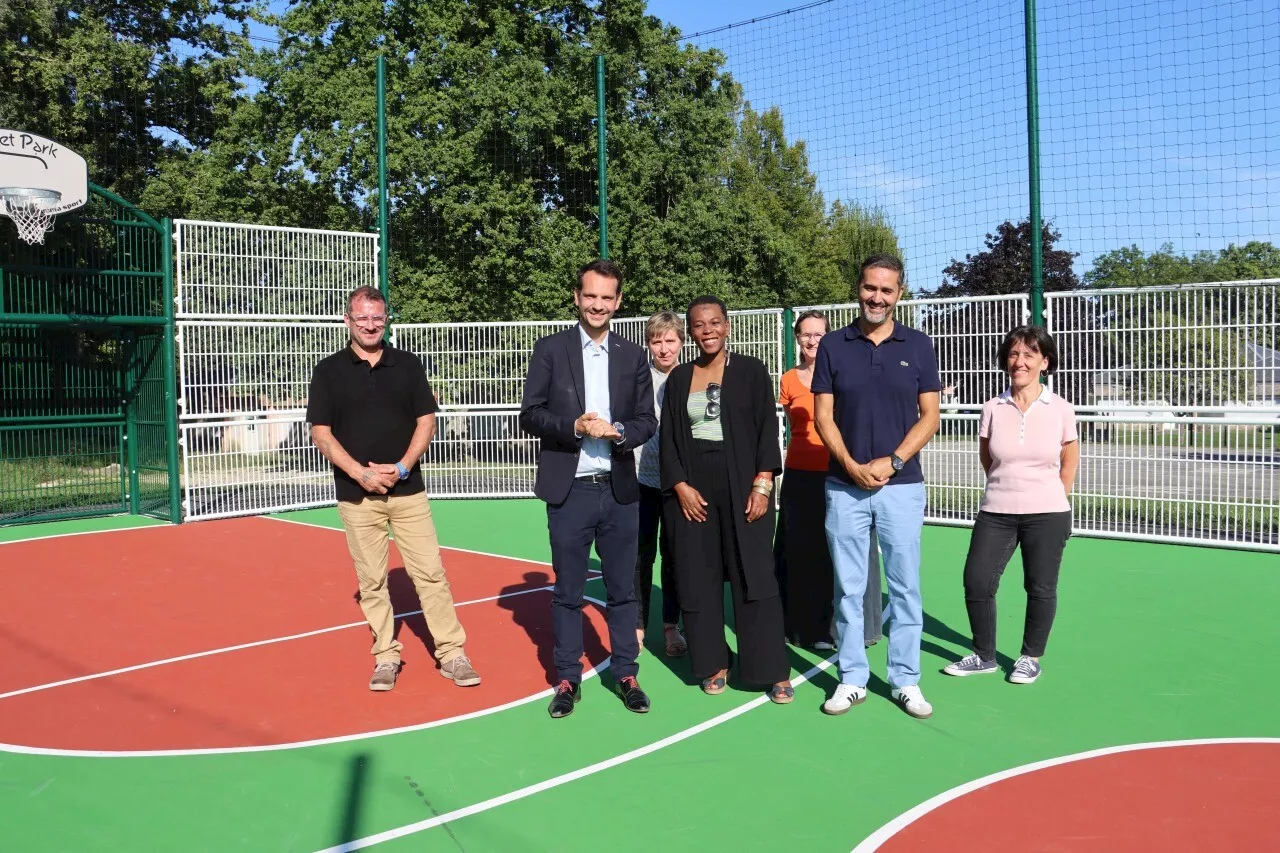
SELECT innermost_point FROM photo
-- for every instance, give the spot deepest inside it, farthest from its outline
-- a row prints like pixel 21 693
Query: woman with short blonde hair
pixel 664 335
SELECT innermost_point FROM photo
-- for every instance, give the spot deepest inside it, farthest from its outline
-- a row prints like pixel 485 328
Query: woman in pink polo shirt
pixel 1028 446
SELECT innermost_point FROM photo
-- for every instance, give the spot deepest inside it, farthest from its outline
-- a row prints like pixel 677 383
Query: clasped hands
pixel 873 475
pixel 377 479
pixel 591 424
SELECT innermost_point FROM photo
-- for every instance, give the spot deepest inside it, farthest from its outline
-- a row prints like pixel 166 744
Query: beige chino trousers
pixel 408 517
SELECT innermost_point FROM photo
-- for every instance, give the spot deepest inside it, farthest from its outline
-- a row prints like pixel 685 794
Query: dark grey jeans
pixel 1042 537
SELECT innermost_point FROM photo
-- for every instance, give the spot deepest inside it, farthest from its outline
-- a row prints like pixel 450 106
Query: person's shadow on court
pixel 529 603
pixel 404 599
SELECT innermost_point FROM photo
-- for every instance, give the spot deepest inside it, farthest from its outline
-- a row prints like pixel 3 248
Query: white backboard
pixel 33 162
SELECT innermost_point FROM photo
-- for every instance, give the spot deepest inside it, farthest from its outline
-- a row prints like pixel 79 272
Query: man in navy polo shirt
pixel 876 391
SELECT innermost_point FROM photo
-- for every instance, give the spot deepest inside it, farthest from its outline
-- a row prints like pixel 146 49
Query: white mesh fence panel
pixel 250 369
pixel 1160 350
pixel 475 365
pixel 234 271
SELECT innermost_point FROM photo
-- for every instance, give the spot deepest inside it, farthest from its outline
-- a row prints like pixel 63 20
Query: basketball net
pixel 31 215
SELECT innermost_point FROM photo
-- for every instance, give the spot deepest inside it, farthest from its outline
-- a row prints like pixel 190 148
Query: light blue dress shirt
pixel 595 455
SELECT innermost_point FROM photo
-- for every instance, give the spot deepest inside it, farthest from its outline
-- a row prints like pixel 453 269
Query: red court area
pixel 1192 797
pixel 82 605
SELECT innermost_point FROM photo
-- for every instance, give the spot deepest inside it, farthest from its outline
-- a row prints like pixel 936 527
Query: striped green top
pixel 707 430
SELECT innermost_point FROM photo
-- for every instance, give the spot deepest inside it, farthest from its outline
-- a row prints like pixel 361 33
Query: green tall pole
pixel 170 376
pixel 384 240
pixel 602 160
pixel 1033 168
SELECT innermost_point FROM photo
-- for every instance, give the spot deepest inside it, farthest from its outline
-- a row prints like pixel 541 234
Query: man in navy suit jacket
pixel 588 396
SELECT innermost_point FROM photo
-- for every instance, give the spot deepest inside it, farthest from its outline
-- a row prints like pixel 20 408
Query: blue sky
pixel 1154 120
pixel 1154 125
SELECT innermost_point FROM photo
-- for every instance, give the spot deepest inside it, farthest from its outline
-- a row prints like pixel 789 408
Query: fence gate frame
pixel 104 279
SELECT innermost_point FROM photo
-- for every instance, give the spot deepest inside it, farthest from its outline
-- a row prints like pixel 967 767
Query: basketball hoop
pixel 32 210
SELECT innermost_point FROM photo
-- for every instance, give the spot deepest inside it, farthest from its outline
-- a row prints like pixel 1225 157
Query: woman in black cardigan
pixel 719 455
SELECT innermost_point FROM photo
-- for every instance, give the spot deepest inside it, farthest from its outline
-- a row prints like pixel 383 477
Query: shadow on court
pixel 353 802
pixel 531 611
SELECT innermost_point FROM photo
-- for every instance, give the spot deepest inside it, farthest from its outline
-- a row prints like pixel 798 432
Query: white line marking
pixel 573 776
pixel 442 547
pixel 226 750
pixel 241 646
pixel 158 525
pixel 893 827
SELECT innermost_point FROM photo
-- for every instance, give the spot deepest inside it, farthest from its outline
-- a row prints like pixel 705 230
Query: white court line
pixel 884 833
pixel 573 776
pixel 159 525
pixel 225 750
pixel 241 646
pixel 442 547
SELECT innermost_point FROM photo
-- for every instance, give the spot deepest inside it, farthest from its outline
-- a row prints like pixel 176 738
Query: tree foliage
pixel 491 143
pixel 1004 267
pixel 126 85
pixel 1131 267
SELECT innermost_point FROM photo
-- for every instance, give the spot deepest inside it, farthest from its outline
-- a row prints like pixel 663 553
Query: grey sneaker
pixel 971 665
pixel 384 676
pixel 1025 671
pixel 461 671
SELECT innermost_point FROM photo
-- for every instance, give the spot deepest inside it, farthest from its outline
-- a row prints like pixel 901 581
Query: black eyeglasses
pixel 713 401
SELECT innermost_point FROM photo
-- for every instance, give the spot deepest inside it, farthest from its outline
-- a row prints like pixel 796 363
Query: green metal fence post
pixel 1033 167
pixel 132 379
pixel 170 375
pixel 788 339
pixel 602 160
pixel 384 240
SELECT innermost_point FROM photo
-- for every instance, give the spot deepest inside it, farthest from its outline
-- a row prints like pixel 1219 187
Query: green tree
pixel 1129 266
pixel 1005 265
pixel 124 85
pixel 854 234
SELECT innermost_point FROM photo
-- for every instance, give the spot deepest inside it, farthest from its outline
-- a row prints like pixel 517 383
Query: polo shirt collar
pixel 1045 395
pixel 853 331
pixel 586 340
pixel 386 359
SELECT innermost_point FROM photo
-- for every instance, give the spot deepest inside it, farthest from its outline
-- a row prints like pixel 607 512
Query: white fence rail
pixel 232 271
pixel 1177 389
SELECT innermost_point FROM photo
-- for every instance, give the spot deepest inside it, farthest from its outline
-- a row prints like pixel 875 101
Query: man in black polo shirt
pixel 372 415
pixel 875 385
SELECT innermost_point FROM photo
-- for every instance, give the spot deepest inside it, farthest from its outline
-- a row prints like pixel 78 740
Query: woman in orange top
pixel 805 575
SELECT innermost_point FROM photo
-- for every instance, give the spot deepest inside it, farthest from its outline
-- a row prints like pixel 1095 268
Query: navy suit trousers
pixel 589 514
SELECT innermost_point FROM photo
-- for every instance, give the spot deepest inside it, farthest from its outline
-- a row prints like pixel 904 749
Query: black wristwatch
pixel 622 433
pixel 897 462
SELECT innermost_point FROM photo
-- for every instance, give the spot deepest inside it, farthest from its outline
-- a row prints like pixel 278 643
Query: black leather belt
pixel 604 477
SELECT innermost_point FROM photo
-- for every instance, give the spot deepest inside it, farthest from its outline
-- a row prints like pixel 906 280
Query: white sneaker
pixel 912 701
pixel 845 697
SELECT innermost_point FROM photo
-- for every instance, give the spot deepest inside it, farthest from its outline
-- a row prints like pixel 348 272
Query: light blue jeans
pixel 897 512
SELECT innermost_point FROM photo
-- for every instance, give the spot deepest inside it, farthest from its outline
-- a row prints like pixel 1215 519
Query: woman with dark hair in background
pixel 1028 447
pixel 719 457
pixel 805 574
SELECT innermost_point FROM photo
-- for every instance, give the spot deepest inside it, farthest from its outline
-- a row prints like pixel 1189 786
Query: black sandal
pixel 782 695
pixel 715 685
